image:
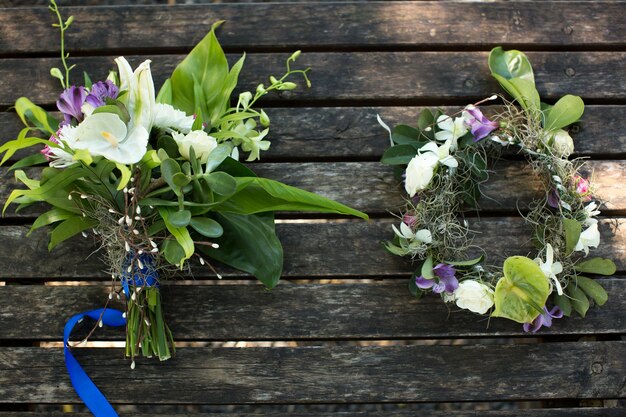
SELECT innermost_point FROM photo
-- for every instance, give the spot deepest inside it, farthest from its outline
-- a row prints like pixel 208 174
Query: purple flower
pixel 410 220
pixel 70 103
pixel 478 123
pixel 446 280
pixel 553 198
pixel 101 91
pixel 544 319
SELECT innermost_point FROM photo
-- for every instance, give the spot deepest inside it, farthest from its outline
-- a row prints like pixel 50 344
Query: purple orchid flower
pixel 70 103
pixel 544 319
pixel 100 91
pixel 447 280
pixel 479 125
pixel 410 220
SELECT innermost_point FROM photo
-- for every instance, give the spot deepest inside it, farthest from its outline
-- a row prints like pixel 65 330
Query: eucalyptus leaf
pixel 523 291
pixel 565 112
pixel 181 234
pixel 172 251
pixel 217 156
pixel 169 168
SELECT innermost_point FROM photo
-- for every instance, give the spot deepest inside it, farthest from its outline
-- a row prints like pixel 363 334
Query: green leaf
pixel 522 293
pixel 169 168
pixel 249 243
pixel 399 155
pixel 180 180
pixel 22 142
pixel 510 64
pixel 165 93
pixel 221 183
pixel 217 156
pixel 598 265
pixel 180 218
pixel 593 290
pixel 469 262
pixel 69 228
pixel 29 161
pixel 173 252
pixel 125 178
pixel 206 227
pixel 49 217
pixel 427 268
pixel 168 144
pixel 579 300
pixel 528 93
pixel 404 134
pixel 87 80
pixel 572 229
pixel 27 110
pixel 425 119
pixel 564 304
pixel 82 155
pixel 257 195
pixel 565 112
pixel 118 109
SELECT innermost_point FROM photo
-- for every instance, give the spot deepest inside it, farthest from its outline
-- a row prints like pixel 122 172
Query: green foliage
pixel 572 229
pixel 592 289
pixel 578 299
pixel 522 293
pixel 565 112
pixel 599 266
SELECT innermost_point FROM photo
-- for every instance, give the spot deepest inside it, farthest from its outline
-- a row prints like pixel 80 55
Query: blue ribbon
pixel 84 386
pixel 144 277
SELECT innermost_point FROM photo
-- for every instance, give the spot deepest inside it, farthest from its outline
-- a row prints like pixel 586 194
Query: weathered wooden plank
pixel 409 77
pixel 372 187
pixel 326 374
pixel 389 25
pixel 290 312
pixel 551 412
pixel 310 249
pixel 354 133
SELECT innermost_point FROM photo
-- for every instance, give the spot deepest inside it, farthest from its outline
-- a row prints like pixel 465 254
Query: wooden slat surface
pixel 326 374
pixel 400 77
pixel 310 250
pixel 289 312
pixel 353 132
pixel 389 25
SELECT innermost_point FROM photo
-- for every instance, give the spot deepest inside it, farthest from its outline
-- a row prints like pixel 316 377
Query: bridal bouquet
pixel 155 178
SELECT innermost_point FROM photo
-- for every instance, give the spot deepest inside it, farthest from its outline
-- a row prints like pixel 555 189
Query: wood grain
pixel 289 26
pixel 310 250
pixel 353 133
pixel 317 374
pixel 407 78
pixel 289 312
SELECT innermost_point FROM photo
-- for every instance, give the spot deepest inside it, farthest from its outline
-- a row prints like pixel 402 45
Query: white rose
pixel 474 296
pixel 562 143
pixel 202 144
pixel 419 172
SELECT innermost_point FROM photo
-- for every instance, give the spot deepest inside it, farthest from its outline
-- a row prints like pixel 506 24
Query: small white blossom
pixel 451 129
pixel 551 269
pixel 405 232
pixel 591 211
pixel 589 238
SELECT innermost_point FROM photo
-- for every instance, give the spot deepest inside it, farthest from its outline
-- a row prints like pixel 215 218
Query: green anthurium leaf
pixel 249 243
pixel 510 64
pixel 572 229
pixel 404 134
pixel 565 112
pixel 257 195
pixel 398 155
pixel 427 268
pixel 180 218
pixel 221 183
pixel 564 304
pixel 592 289
pixel 207 227
pixel 235 168
pixel 523 291
pixel 598 266
pixel 579 300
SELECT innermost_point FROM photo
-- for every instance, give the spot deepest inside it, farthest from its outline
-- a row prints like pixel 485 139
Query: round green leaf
pixel 180 218
pixel 221 183
pixel 522 293
pixel 207 227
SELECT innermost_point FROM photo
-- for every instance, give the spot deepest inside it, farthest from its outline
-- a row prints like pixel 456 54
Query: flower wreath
pixel 446 163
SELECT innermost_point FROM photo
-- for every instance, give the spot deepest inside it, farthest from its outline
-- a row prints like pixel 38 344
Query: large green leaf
pixel 598 265
pixel 593 290
pixel 510 64
pixel 399 155
pixel 522 293
pixel 249 243
pixel 565 112
pixel 258 195
pixel 68 228
pixel 30 112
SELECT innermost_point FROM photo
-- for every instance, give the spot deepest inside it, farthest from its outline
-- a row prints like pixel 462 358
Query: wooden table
pixel 340 334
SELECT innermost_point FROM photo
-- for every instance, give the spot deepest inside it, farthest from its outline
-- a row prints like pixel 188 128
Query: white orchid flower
pixel 405 232
pixel 442 152
pixel 551 269
pixel 591 211
pixel 590 238
pixel 451 129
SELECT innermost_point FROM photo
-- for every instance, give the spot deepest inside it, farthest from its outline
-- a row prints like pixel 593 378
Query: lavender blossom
pixel 554 199
pixel 100 91
pixel 446 280
pixel 70 103
pixel 544 319
pixel 479 125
